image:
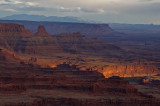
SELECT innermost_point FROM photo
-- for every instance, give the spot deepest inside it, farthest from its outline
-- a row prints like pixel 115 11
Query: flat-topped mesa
pixel 42 31
pixel 76 34
pixel 14 30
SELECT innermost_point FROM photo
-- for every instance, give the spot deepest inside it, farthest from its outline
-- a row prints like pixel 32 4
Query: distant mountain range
pixel 56 25
pixel 131 28
pixel 44 18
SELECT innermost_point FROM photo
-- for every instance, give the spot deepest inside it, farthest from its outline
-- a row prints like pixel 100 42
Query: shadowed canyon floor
pixel 41 87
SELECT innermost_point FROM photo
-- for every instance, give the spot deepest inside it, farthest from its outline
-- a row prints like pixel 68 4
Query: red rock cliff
pixel 14 30
pixel 42 31
pixel 130 70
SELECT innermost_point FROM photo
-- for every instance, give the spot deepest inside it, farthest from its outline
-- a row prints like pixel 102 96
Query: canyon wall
pixel 69 89
pixel 137 70
pixel 14 30
pixel 16 38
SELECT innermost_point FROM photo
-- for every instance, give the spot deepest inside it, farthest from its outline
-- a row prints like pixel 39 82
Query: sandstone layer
pixel 137 70
pixel 14 30
pixel 42 87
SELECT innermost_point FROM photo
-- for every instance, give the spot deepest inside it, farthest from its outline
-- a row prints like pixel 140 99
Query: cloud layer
pixel 123 11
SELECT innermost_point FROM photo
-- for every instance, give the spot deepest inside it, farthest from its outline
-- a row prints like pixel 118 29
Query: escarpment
pixel 90 30
pixel 137 70
pixel 17 38
pixel 14 30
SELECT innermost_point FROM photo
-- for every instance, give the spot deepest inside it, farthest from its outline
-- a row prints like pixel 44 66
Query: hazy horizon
pixel 104 11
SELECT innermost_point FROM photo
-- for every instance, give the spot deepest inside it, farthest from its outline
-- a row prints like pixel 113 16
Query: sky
pixel 107 11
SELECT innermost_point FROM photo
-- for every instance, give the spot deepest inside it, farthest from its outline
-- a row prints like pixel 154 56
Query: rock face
pixel 114 84
pixel 42 32
pixel 7 56
pixel 78 43
pixel 130 70
pixel 14 30
pixel 68 88
pixel 44 44
pixel 9 61
pixel 69 81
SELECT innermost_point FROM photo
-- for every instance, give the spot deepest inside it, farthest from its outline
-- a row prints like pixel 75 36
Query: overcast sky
pixel 121 11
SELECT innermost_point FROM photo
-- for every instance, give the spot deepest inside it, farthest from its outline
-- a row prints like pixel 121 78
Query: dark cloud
pixel 7 0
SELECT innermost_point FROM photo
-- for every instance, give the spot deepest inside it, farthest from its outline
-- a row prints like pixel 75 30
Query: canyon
pixel 60 48
pixel 44 67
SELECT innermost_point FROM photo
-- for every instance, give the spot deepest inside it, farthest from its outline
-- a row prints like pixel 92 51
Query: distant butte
pixel 42 31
